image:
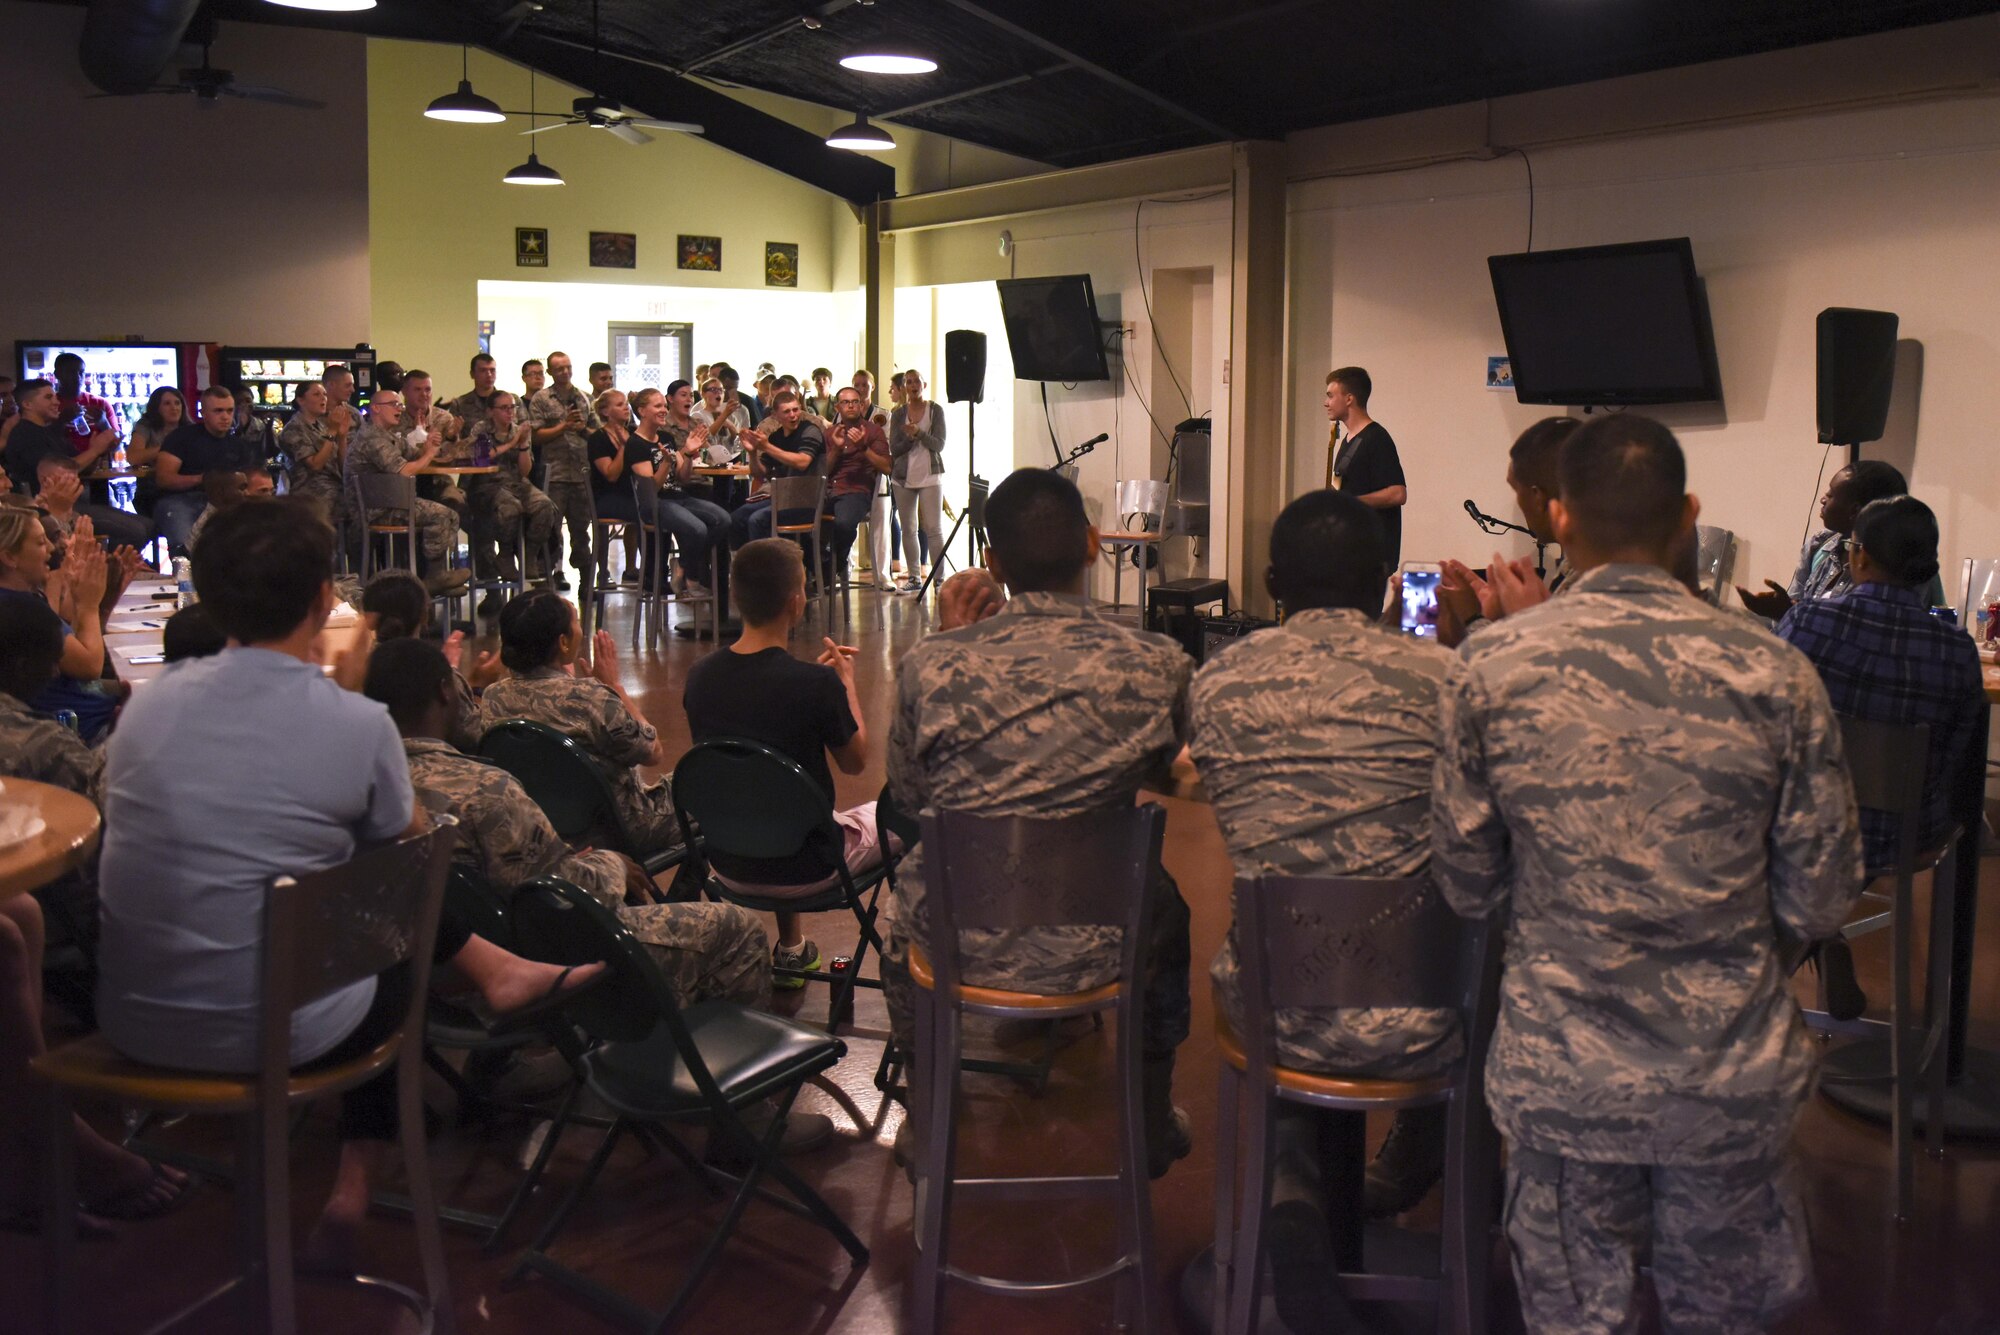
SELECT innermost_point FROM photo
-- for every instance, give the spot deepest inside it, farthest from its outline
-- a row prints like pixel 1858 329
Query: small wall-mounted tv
pixel 1052 328
pixel 1621 324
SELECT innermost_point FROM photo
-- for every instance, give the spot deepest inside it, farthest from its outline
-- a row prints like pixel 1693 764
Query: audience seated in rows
pixel 540 643
pixel 704 950
pixel 188 455
pixel 756 690
pixel 1823 565
pixel 203 811
pixel 1034 705
pixel 1644 786
pixel 383 451
pixel 35 435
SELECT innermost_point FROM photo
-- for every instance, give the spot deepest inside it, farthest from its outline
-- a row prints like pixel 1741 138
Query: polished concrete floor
pixel 1935 1273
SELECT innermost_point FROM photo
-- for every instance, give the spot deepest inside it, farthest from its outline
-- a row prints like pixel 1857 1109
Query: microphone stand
pixel 1065 460
pixel 1495 525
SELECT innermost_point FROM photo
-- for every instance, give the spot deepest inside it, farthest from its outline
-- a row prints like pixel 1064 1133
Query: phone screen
pixel 1420 599
pixel 141 660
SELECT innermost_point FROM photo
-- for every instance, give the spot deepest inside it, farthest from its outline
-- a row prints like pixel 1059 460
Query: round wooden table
pixel 104 474
pixel 722 470
pixel 453 470
pixel 70 833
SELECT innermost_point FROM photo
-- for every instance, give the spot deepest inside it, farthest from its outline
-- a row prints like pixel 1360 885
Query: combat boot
pixel 1409 1163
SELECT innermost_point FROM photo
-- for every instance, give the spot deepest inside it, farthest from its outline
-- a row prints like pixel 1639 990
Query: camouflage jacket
pixel 567 457
pixel 1316 742
pixel 1046 709
pixel 501 832
pixel 32 747
pixel 1652 788
pixel 379 450
pixel 592 713
pixel 300 440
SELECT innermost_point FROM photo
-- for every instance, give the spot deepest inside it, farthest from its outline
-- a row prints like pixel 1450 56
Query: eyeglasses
pixel 1850 545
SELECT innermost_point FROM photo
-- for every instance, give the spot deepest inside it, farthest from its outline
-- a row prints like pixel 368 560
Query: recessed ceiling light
pixel 533 172
pixel 889 60
pixel 326 6
pixel 861 137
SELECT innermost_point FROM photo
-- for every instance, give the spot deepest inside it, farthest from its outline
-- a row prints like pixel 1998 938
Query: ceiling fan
pixel 210 85
pixel 601 113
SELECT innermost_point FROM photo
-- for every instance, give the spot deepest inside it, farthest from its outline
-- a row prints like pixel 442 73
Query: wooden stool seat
pixel 1335 1086
pixel 921 975
pixel 1130 536
pixel 93 1065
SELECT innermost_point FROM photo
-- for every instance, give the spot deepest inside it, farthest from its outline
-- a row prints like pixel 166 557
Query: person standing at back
pixel 1648 790
pixel 916 443
pixel 1361 459
pixel 563 420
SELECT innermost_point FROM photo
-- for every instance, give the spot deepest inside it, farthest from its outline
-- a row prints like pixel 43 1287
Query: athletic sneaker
pixel 806 956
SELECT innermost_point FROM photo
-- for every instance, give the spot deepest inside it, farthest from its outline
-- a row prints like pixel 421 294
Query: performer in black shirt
pixel 1361 458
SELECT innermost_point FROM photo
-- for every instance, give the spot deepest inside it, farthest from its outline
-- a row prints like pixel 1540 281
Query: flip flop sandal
pixel 161 1195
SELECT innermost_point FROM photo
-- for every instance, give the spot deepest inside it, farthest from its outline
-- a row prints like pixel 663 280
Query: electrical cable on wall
pixel 1527 162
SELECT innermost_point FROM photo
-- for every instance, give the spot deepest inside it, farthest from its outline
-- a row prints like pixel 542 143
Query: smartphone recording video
pixel 1420 598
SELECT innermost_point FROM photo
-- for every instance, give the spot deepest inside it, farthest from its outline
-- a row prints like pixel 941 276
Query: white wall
pixel 239 223
pixel 1894 207
pixel 1179 237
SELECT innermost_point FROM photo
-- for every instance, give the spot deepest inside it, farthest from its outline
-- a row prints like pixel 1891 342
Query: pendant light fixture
pixel 889 58
pixel 465 106
pixel 861 137
pixel 326 6
pixel 532 172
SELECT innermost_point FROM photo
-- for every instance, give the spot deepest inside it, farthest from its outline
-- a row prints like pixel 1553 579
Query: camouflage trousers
pixel 1729 1244
pixel 706 951
pixel 437 528
pixel 648 813
pixel 572 504
pixel 498 506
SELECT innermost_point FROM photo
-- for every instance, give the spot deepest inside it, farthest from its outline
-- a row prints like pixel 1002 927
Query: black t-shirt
pixel 806 438
pixel 27 445
pixel 797 709
pixel 601 448
pixel 200 452
pixel 1367 462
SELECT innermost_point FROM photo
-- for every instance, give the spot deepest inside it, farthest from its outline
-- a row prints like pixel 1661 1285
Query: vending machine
pixel 123 373
pixel 275 376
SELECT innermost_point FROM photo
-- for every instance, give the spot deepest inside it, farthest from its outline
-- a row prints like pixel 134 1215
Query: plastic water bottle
pixel 184 577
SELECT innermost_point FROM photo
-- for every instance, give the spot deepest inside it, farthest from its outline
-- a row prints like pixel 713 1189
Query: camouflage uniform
pixel 1316 742
pixel 500 501
pixel 40 749
pixel 705 950
pixel 592 713
pixel 433 486
pixel 385 452
pixel 466 726
pixel 1654 788
pixel 323 487
pixel 1046 709
pixel 566 460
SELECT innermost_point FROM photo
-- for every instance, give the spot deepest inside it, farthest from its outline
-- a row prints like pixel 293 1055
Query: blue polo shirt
pixel 224 774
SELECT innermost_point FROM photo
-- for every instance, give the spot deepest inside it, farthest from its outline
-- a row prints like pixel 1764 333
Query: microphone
pixel 1493 523
pixel 1473 510
pixel 1095 440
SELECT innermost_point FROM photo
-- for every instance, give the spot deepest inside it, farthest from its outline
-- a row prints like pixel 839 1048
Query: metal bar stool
pixel 658 589
pixel 790 495
pixel 321 932
pixel 1888 762
pixel 1331 942
pixel 1009 873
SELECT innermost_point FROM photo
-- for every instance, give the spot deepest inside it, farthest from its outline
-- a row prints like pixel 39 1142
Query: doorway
pixel 650 356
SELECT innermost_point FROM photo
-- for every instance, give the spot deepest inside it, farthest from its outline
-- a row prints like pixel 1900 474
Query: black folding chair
pixel 659 1065
pixel 752 802
pixel 571 790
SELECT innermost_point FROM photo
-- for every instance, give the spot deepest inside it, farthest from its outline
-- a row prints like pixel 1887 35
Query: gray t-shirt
pixel 224 774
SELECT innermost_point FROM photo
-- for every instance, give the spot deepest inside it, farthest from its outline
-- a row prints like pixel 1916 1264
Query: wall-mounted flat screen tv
pixel 1052 328
pixel 1622 324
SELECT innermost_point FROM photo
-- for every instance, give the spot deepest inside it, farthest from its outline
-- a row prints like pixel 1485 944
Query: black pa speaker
pixel 964 366
pixel 1857 370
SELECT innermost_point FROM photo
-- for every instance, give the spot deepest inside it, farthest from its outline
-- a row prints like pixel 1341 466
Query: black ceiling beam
pixel 772 33
pixel 725 122
pixel 1026 21
pixel 967 94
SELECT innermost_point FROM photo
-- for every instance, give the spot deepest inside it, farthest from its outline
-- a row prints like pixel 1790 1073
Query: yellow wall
pixel 441 219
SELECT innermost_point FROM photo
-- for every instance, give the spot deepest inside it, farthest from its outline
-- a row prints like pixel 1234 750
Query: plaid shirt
pixel 1885 658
